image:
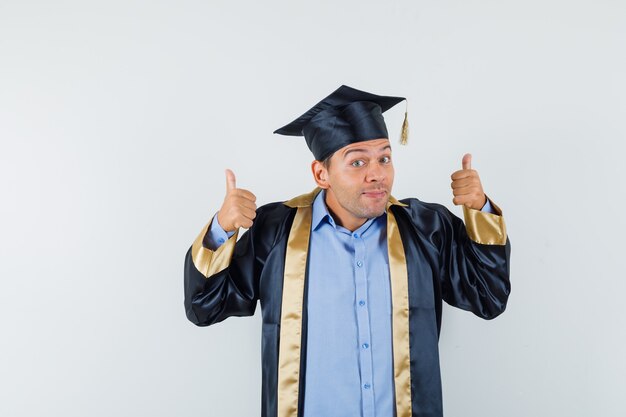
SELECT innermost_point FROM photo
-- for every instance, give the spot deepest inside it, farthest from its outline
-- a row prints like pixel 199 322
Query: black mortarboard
pixel 346 116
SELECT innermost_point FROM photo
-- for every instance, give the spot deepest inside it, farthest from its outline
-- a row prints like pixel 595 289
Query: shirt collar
pixel 320 211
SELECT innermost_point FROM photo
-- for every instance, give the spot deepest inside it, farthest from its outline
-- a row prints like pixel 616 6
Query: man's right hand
pixel 239 208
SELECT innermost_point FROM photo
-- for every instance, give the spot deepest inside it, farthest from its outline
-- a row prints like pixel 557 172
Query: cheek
pixel 390 173
pixel 344 178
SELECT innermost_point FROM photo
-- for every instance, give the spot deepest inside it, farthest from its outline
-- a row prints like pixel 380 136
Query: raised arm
pixel 221 278
pixel 476 254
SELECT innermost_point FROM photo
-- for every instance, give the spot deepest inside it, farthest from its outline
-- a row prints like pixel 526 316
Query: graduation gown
pixel 433 257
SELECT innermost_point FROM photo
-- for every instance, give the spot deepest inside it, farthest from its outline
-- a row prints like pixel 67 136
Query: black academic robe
pixel 433 257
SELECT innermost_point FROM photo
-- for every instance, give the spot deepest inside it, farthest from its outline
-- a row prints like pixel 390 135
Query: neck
pixel 342 216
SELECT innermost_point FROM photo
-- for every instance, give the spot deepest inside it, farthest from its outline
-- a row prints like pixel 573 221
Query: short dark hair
pixel 326 161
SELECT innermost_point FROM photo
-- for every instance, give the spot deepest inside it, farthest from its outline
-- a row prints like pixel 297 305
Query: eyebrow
pixel 365 150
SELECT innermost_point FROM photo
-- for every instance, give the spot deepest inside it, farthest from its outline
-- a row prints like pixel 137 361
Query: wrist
pixel 478 204
pixel 221 223
pixel 484 202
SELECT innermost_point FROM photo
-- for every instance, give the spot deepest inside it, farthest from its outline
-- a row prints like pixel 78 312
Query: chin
pixel 380 207
pixel 374 212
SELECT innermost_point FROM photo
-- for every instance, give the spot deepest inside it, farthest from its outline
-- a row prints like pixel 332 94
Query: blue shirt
pixel 349 354
pixel 349 357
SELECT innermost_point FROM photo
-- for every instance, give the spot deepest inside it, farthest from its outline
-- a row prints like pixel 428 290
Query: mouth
pixel 376 194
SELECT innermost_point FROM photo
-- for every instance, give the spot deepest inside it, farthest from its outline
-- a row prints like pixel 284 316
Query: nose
pixel 375 173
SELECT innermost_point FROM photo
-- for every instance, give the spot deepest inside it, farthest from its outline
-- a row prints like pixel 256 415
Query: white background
pixel 118 118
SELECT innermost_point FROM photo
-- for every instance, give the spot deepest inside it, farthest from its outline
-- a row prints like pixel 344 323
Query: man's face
pixel 359 178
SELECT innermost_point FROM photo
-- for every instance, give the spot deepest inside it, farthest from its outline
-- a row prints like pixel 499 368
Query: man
pixel 350 280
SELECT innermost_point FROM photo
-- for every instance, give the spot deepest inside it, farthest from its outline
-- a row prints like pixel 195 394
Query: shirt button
pixel 220 240
pixel 356 235
pixel 361 303
pixel 359 264
pixel 365 345
pixel 367 386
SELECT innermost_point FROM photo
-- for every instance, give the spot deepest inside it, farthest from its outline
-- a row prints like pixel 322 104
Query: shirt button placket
pixel 363 325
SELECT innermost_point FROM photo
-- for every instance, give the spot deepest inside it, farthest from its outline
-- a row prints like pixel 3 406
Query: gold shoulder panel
pixel 400 320
pixel 394 202
pixel 209 262
pixel 290 345
pixel 304 200
pixel 485 228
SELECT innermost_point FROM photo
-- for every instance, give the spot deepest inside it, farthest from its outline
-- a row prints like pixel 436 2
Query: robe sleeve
pixel 221 283
pixel 475 258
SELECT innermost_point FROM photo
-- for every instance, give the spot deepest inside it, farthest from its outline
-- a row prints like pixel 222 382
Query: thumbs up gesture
pixel 239 206
pixel 466 186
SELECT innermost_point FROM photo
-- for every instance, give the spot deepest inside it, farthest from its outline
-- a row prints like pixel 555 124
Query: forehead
pixel 367 146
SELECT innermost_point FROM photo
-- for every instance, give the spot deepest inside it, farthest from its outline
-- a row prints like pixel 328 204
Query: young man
pixel 350 280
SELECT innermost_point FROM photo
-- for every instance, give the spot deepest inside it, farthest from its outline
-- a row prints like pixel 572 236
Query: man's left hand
pixel 466 186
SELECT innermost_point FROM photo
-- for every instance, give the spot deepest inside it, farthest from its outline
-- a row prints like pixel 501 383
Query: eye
pixel 358 163
pixel 385 159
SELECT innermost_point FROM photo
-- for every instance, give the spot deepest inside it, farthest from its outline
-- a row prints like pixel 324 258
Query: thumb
pixel 231 183
pixel 467 161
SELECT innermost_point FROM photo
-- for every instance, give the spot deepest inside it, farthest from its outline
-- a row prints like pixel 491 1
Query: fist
pixel 466 186
pixel 239 206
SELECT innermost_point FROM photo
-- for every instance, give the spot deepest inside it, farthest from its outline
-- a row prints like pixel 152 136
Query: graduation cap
pixel 346 116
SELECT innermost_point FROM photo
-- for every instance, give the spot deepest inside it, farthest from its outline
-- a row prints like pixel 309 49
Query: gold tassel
pixel 404 136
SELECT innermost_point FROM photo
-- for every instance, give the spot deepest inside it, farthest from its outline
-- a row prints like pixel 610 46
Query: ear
pixel 320 174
